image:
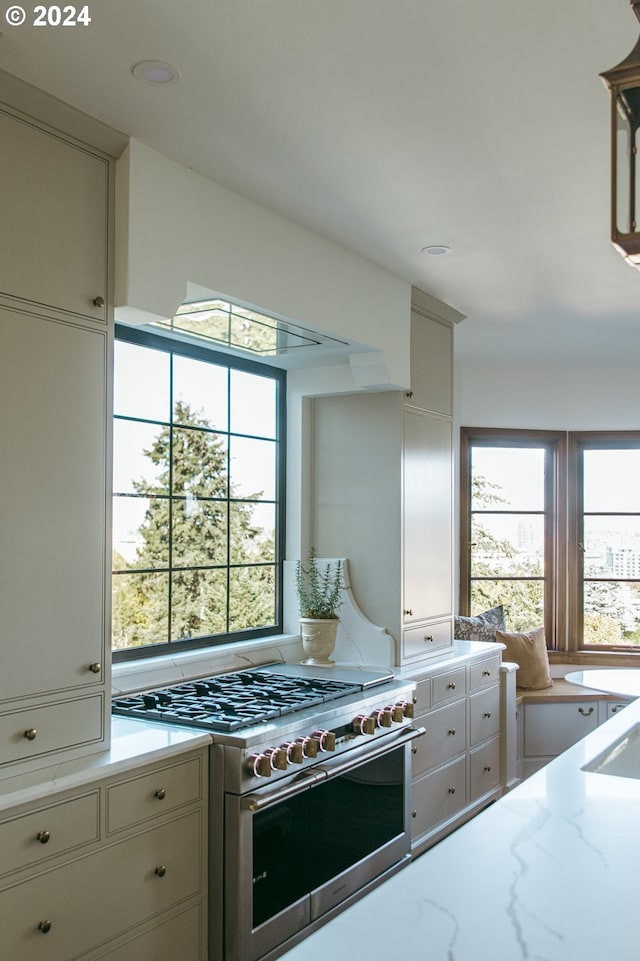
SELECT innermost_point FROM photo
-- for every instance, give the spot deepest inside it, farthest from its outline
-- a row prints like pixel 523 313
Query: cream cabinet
pixel 456 764
pixel 550 727
pixel 84 880
pixel 55 388
pixel 383 495
pixel 55 220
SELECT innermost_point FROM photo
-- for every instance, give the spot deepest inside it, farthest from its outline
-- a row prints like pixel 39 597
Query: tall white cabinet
pixel 383 487
pixel 55 387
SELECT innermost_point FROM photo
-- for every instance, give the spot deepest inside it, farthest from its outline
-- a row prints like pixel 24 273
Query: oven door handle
pixel 323 772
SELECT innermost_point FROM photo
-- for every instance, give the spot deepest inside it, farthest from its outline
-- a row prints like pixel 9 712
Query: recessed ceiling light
pixel 436 250
pixel 155 71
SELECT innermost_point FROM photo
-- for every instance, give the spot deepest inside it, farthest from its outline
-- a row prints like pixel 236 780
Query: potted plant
pixel 320 597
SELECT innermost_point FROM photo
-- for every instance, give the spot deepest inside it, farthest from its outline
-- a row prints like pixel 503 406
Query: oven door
pixel 298 849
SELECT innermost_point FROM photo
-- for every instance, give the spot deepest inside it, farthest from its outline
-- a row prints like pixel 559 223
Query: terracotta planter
pixel 319 639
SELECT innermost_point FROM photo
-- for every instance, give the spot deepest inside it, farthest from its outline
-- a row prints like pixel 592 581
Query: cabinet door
pixel 431 365
pixel 549 729
pixel 53 438
pixel 427 485
pixel 53 248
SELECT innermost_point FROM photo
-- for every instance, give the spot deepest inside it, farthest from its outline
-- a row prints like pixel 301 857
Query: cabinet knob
pixel 96 667
pixel 161 870
pixel 43 836
pixel 452 731
pixel 160 794
pixel 487 714
pixel 98 301
pixel 45 926
pixel 414 749
pixel 408 612
pixel 30 734
pixel 409 394
pixel 428 638
pixel 486 673
pixel 487 768
pixel 585 713
pixel 414 814
pixel 451 685
pixel 452 790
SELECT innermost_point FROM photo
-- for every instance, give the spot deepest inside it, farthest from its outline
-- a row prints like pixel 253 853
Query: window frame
pixel 578 442
pixel 554 444
pixel 179 345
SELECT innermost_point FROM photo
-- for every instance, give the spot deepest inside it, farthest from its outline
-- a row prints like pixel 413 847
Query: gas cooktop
pixel 229 702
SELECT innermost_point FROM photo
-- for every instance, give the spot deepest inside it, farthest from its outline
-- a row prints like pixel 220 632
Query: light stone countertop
pixel 550 872
pixel 133 743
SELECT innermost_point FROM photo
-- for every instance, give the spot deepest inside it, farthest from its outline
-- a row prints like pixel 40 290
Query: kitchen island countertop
pixel 550 872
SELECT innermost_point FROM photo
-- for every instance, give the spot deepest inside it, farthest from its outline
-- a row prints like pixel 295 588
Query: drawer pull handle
pixel 43 836
pixel 161 870
pixel 452 790
pixel 408 612
pixel 585 713
pixel 160 794
pixel 98 301
pixel 486 673
pixel 30 734
pixel 429 637
pixel 452 730
pixel 45 926
pixel 487 714
pixel 487 768
pixel 96 667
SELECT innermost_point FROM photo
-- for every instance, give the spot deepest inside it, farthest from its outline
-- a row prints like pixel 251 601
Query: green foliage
pixel 319 591
pixel 206 529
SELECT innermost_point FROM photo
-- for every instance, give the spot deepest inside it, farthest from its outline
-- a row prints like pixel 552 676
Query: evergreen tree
pixel 190 494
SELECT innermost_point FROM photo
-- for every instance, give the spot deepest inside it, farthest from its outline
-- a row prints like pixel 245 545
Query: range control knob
pixel 382 717
pixel 407 708
pixel 259 765
pixel 277 758
pixel 310 746
pixel 327 740
pixel 362 724
pixel 397 714
pixel 295 754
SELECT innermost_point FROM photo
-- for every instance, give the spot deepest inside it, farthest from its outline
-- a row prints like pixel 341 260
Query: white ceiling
pixel 387 125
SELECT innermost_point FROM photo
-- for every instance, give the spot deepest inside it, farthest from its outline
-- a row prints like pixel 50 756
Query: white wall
pixel 547 398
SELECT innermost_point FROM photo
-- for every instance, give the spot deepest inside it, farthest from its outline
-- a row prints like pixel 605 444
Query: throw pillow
pixel 482 627
pixel 529 652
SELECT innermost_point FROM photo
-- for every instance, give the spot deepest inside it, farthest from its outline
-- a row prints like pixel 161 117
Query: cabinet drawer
pixel 549 729
pixel 154 794
pixel 437 797
pixel 430 639
pixel 92 899
pixel 484 672
pixel 445 738
pixel 450 685
pixel 422 697
pixel 484 769
pixel 43 730
pixel 178 937
pixel 484 712
pixel 48 832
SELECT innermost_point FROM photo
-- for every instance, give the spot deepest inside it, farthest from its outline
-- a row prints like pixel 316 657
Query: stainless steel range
pixel 310 796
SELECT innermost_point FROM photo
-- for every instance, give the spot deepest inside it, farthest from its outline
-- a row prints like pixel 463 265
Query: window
pixel 510 525
pixel 605 538
pixel 550 527
pixel 198 481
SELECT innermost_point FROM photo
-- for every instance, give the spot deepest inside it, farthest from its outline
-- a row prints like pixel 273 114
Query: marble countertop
pixel 624 683
pixel 550 872
pixel 133 743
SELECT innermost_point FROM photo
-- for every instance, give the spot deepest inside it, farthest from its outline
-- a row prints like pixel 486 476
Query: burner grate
pixel 229 702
